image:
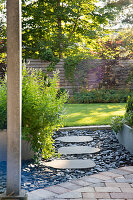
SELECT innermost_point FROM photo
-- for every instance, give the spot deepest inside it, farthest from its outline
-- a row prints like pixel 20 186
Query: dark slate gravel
pixel 111 156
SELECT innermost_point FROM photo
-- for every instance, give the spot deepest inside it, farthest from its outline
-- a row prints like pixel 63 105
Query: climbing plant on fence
pixel 72 63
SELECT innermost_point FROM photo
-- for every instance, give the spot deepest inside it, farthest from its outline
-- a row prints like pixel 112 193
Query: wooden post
pixel 14 97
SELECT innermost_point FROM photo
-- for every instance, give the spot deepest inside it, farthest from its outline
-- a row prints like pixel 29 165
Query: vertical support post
pixel 14 97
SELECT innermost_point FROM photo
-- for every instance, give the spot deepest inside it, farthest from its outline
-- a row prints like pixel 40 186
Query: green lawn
pixel 92 114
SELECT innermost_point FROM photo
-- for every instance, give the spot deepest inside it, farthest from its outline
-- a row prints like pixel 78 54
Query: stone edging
pixel 97 127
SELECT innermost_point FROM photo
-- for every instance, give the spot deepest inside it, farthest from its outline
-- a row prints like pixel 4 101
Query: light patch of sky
pixel 28 2
pixel 100 4
pixel 3 13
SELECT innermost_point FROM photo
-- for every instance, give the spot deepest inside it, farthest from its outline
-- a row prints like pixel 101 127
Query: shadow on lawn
pixel 92 114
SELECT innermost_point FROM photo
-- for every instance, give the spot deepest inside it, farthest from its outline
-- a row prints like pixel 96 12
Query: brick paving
pixel 115 184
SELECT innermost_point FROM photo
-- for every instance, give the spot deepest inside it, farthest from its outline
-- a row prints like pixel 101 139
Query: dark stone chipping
pixel 112 155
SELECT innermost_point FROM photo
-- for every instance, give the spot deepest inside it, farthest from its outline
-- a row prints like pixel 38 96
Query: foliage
pixel 3 37
pixel 129 111
pixel 3 43
pixel 3 104
pixel 60 25
pixel 118 122
pixel 70 65
pixel 61 91
pixel 130 77
pixel 101 96
pixel 110 48
pixel 41 110
pixel 117 45
pixel 129 118
pixel 129 106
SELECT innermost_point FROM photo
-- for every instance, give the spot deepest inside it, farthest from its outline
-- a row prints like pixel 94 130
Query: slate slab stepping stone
pixel 71 164
pixel 78 150
pixel 75 139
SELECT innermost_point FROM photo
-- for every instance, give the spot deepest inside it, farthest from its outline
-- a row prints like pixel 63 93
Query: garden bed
pixel 125 137
pixel 112 155
pixel 26 150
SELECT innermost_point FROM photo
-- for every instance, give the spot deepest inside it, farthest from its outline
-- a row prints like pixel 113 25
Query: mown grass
pixel 92 114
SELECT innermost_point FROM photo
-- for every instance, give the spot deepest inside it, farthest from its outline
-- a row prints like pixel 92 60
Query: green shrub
pixel 118 121
pixel 101 96
pixel 41 110
pixel 61 91
pixel 129 111
pixel 129 118
pixel 3 104
pixel 129 106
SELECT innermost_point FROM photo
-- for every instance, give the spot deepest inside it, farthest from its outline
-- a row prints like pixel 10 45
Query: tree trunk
pixel 60 45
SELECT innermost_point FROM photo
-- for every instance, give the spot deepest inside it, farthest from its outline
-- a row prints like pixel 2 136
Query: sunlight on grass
pixel 92 114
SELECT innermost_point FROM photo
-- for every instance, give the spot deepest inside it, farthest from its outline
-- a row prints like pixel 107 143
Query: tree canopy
pixel 118 45
pixel 56 28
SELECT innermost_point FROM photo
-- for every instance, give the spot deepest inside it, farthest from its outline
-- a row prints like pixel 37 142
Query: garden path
pixel 113 184
pixel 116 184
pixel 74 149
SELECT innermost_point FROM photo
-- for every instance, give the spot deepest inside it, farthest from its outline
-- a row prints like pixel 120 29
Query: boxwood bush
pixel 42 110
pixel 119 121
pixel 101 96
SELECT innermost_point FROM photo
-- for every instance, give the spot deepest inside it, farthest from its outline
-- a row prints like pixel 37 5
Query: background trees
pixel 65 26
pixel 56 28
pixel 116 45
pixel 2 32
pixel 58 25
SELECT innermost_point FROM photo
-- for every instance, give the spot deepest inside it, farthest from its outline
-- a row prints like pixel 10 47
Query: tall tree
pixel 59 24
pixel 56 26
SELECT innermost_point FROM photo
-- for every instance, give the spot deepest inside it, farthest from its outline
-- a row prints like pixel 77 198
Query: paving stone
pixel 120 171
pixel 122 195
pixel 81 182
pixel 123 180
pixel 129 168
pixel 100 176
pixel 121 185
pixel 130 190
pixel 74 139
pixel 70 186
pixel 85 189
pixel 112 175
pixel 78 150
pixel 41 194
pixel 91 179
pixel 34 197
pixel 111 199
pixel 107 189
pixel 57 189
pixel 129 176
pixel 98 185
pixel 71 164
pixel 80 199
pixel 96 195
pixel 110 181
pixel 89 198
pixel 53 199
pixel 70 195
